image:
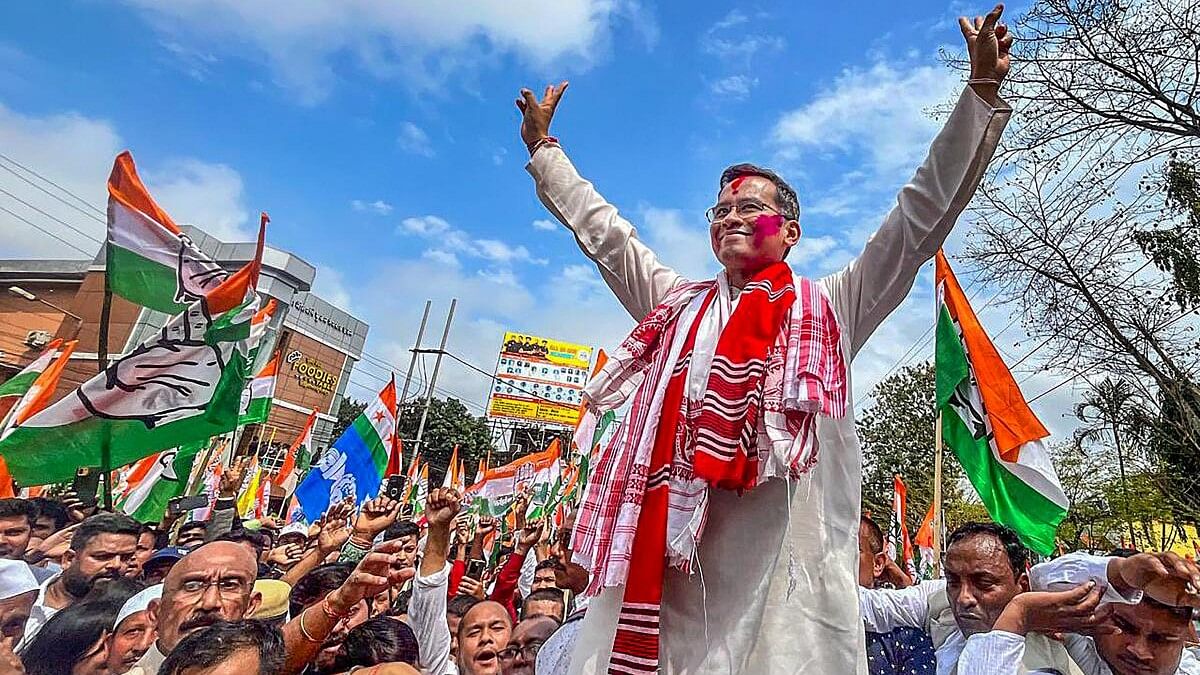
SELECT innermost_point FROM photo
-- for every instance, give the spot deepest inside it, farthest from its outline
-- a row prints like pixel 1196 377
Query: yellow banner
pixel 539 379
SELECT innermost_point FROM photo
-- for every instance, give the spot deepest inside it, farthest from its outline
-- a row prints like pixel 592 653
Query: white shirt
pixel 773 587
pixel 39 615
pixel 1073 569
pixel 427 618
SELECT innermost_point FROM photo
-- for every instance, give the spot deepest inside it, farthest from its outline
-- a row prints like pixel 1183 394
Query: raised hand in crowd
pixel 531 535
pixel 232 478
pixel 374 574
pixel 441 507
pixel 285 556
pixel 377 515
pixel 1077 610
pixel 988 46
pixel 335 530
pixel 536 115
pixel 1166 577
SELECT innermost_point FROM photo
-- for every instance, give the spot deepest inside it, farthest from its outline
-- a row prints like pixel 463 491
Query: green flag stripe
pixel 40 455
pixel 1009 500
pixel 257 411
pixel 152 509
pixel 141 280
pixel 18 384
pixel 950 358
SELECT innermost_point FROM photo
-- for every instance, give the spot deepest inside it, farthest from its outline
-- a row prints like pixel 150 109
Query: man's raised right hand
pixel 441 507
pixel 536 115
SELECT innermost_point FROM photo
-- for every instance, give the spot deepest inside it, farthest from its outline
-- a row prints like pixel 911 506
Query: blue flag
pixel 352 468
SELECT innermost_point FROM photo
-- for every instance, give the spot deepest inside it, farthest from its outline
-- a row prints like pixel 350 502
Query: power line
pixel 45 231
pixel 81 200
pixel 56 219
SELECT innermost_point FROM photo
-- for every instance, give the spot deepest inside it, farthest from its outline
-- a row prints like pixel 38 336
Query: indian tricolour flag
pixel 493 496
pixel 39 392
pixel 148 258
pixel 158 479
pixel 256 399
pixel 989 426
pixel 181 385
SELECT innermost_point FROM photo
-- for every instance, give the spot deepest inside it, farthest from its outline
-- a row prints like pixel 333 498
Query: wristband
pixel 536 145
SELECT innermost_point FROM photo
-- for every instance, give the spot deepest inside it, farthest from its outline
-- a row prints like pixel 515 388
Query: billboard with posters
pixel 539 380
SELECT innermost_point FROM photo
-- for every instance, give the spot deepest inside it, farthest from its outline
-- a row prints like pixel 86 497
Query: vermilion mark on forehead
pixel 737 183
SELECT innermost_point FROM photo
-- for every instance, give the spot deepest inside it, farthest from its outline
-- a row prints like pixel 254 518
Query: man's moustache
pixel 200 621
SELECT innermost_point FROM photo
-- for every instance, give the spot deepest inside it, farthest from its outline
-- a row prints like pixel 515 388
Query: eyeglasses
pixel 529 651
pixel 746 209
pixel 228 587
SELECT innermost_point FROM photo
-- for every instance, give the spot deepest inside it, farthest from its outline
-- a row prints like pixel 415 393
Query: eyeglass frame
pixel 711 217
pixel 536 646
pixel 205 584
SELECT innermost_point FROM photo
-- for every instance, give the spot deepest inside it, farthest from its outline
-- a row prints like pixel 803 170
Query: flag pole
pixel 437 365
pixel 937 497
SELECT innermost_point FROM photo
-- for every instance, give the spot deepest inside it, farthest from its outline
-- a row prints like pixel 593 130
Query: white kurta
pixel 775 589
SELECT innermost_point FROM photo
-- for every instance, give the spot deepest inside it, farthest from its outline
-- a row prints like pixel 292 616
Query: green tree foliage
pixel 896 432
pixel 449 424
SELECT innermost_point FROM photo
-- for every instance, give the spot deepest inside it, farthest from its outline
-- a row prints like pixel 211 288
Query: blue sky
pixel 382 138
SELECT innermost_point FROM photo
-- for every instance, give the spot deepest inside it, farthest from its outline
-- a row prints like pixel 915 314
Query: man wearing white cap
pixel 18 592
pixel 132 633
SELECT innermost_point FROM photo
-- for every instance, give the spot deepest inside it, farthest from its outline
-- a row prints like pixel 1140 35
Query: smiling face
pixel 748 232
pixel 980 582
pixel 483 632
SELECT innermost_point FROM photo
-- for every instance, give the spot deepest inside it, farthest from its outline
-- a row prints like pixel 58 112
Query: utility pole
pixel 412 364
pixel 437 365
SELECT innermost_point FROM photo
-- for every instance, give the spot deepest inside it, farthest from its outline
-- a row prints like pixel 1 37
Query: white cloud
pixel 545 225
pixel 209 196
pixel 877 112
pixel 413 139
pixel 76 153
pixel 331 285
pixel 498 156
pixel 421 43
pixel 425 226
pixel 451 241
pixel 681 242
pixel 378 206
pixel 735 86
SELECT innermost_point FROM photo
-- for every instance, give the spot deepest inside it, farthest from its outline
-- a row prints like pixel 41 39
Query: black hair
pixel 68 637
pixel 256 539
pixel 546 595
pixel 380 640
pixel 115 590
pixel 785 196
pixel 403 528
pixel 459 605
pixel 13 508
pixel 49 508
pixel 193 525
pixel 315 585
pixel 550 564
pixel 214 644
pixel 104 523
pixel 1018 555
pixel 1123 552
pixel 876 533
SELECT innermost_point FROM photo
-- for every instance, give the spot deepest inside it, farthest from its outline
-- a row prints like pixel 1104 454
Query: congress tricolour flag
pixel 15 387
pixel 352 468
pixel 285 479
pixel 256 399
pixel 158 479
pixel 451 479
pixel 494 494
pixel 149 260
pixel 38 395
pixel 182 385
pixel 989 426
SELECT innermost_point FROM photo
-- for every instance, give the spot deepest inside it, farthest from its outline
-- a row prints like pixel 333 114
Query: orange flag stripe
pixel 1013 423
pixel 126 186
